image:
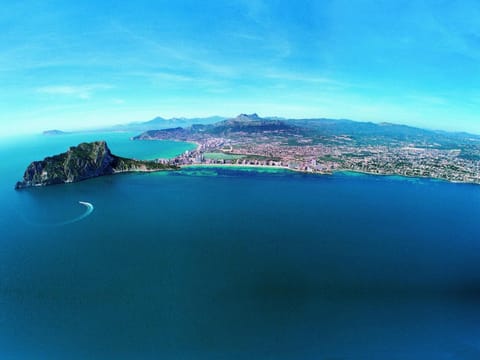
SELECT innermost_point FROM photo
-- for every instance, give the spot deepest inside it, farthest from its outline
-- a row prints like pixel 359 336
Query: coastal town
pixel 406 161
pixel 275 148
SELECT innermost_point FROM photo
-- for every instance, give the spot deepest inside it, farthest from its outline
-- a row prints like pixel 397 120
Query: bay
pixel 210 263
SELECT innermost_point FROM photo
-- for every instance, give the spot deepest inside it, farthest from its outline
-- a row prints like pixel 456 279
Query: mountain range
pixel 162 123
pixel 321 130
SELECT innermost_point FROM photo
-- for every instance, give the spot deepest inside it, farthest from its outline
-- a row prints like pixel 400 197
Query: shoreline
pixel 346 172
pixel 273 167
pixel 340 171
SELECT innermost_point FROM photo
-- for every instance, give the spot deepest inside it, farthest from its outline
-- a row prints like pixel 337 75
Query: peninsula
pixel 82 162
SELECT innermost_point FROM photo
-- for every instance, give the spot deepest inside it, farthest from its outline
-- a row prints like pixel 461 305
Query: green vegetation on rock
pixel 82 162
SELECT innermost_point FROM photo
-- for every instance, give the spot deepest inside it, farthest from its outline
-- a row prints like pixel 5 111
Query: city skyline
pixel 74 66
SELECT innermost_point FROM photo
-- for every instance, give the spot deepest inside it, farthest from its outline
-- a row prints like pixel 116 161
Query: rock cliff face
pixel 82 162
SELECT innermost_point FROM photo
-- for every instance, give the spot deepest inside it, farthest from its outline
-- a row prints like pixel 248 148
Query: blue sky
pixel 72 65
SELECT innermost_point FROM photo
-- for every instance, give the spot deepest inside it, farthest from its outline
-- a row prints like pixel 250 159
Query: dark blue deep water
pixel 232 264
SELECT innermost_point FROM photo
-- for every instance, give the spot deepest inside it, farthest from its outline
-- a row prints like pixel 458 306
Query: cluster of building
pixel 401 159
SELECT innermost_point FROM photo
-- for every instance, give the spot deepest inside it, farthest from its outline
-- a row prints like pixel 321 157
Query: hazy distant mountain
pixel 54 132
pixel 163 123
pixel 154 124
pixel 378 133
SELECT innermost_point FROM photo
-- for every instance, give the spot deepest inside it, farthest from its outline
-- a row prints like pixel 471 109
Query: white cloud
pixel 289 76
pixel 76 91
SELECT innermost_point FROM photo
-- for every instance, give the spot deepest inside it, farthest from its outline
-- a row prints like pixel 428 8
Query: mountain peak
pixel 253 116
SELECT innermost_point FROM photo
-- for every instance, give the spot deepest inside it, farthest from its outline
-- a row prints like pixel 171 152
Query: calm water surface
pixel 225 264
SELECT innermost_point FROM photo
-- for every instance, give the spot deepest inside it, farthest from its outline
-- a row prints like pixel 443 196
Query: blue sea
pixel 222 263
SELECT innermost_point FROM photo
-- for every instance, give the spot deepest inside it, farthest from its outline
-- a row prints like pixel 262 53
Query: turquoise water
pixel 216 263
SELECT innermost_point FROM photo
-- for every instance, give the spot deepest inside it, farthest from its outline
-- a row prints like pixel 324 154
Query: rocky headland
pixel 85 161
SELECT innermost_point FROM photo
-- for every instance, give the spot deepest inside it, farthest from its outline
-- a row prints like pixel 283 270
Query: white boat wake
pixel 88 211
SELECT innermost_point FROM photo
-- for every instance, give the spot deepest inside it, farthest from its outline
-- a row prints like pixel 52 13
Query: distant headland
pixel 54 132
pixel 85 161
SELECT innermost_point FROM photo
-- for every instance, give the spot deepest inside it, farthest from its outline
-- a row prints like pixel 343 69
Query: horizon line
pixel 109 128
